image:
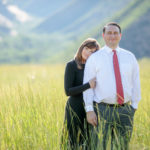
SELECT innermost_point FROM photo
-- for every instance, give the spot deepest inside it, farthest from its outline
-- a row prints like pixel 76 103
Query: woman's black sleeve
pixel 70 89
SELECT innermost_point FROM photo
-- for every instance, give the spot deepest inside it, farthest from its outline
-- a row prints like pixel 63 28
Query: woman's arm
pixel 70 90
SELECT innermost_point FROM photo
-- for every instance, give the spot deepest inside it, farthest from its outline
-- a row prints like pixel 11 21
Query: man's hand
pixel 91 118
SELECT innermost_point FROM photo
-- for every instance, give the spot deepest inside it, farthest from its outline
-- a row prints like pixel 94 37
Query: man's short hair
pixel 111 24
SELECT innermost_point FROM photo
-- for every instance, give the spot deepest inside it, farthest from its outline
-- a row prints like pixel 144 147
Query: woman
pixel 75 116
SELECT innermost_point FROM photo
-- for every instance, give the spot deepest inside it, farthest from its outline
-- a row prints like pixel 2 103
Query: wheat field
pixel 32 103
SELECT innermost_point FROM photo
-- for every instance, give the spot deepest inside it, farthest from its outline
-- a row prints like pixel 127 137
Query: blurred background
pixel 50 31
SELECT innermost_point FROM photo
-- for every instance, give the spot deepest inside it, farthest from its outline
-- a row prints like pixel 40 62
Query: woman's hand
pixel 92 83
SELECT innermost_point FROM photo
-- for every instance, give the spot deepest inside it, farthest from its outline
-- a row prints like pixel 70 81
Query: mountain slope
pixel 59 40
pixel 135 22
pixel 4 11
pixel 5 22
pixel 137 36
pixel 66 16
pixel 39 8
pixel 80 16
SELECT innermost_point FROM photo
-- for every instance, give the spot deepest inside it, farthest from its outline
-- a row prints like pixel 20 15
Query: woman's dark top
pixel 74 81
pixel 74 112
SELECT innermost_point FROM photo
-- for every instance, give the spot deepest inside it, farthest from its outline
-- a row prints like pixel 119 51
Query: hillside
pixel 39 8
pixel 4 11
pixel 5 22
pixel 137 36
pixel 131 19
pixel 80 16
pixel 53 36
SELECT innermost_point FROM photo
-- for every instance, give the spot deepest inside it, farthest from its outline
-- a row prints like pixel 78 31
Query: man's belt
pixel 114 105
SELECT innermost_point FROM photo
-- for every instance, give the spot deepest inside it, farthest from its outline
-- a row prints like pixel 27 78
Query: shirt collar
pixel 109 50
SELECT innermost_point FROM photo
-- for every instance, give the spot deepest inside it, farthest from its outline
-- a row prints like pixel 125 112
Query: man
pixel 117 91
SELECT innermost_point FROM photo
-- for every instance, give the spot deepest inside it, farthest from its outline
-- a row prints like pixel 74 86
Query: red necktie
pixel 119 88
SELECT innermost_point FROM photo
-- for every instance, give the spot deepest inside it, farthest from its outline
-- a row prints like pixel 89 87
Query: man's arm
pixel 136 92
pixel 88 95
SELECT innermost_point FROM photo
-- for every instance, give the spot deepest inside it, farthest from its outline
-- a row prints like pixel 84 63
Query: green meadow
pixel 32 103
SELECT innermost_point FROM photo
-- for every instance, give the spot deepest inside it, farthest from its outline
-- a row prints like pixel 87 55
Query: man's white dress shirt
pixel 100 65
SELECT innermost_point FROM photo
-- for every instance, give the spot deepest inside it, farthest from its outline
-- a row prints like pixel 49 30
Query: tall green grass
pixel 32 103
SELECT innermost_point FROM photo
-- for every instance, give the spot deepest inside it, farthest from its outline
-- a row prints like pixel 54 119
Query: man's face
pixel 112 36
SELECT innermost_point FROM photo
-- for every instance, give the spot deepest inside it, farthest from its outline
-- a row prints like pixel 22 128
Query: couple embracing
pixel 103 86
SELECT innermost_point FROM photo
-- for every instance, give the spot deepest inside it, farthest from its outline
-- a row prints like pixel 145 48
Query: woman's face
pixel 86 52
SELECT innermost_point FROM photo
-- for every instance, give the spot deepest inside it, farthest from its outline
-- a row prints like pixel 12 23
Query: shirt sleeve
pixel 136 92
pixel 70 89
pixel 88 95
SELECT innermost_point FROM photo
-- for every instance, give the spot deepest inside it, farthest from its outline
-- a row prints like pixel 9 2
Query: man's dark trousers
pixel 116 122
